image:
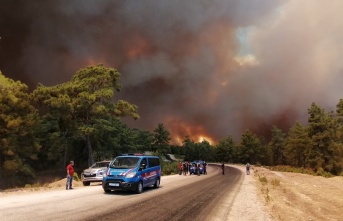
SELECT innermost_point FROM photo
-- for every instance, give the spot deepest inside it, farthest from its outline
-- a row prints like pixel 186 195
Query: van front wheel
pixel 107 190
pixel 139 187
pixel 157 183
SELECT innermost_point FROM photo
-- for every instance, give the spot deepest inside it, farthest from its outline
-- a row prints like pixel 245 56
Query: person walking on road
pixel 223 168
pixel 70 174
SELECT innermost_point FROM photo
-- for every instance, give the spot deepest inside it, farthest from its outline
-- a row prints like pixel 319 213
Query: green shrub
pixel 169 168
pixel 322 172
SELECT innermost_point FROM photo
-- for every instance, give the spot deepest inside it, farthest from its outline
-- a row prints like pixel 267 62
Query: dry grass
pixel 294 196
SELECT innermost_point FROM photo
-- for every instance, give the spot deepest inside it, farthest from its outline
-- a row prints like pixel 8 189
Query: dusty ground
pixel 284 196
pixel 293 196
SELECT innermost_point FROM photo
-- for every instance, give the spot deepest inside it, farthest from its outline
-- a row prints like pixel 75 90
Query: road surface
pixel 205 197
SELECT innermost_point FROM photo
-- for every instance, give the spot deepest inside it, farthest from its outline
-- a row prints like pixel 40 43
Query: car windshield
pixel 125 162
pixel 100 164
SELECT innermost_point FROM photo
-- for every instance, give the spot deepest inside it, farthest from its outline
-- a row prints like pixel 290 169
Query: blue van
pixel 132 172
pixel 193 167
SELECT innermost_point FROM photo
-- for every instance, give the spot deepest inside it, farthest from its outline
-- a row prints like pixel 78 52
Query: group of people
pixel 186 167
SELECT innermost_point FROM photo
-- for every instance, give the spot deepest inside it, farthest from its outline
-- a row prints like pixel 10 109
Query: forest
pixel 80 120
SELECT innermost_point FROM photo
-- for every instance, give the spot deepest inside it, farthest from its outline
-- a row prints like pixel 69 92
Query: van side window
pixel 154 162
pixel 143 163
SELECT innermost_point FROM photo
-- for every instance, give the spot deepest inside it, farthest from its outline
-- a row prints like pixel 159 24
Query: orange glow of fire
pixel 137 46
pixel 180 130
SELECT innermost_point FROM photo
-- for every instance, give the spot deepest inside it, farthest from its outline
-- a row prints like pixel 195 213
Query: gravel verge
pixel 247 205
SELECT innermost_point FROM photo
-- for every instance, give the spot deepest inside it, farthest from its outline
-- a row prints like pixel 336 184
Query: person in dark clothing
pixel 205 165
pixel 184 168
pixel 223 168
pixel 198 168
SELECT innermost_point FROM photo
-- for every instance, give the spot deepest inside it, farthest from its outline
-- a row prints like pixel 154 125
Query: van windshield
pixel 124 162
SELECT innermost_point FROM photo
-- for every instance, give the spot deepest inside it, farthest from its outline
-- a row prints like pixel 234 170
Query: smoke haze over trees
pixel 204 69
pixel 80 123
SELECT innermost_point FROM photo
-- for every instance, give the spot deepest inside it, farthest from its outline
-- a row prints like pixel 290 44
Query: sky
pixel 205 69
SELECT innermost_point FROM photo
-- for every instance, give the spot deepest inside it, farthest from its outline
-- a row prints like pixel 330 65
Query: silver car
pixel 94 173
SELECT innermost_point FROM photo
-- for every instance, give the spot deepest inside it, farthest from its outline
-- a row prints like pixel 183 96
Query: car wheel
pixel 107 190
pixel 139 187
pixel 86 183
pixel 157 183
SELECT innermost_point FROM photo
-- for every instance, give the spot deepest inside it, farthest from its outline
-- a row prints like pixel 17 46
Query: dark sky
pixel 207 69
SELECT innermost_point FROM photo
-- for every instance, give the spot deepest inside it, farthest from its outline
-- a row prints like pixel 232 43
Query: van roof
pixel 136 155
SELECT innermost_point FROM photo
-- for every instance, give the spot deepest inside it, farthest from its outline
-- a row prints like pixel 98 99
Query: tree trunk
pixel 90 151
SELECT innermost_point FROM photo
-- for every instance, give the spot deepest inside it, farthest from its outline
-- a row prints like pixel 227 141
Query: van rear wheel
pixel 86 183
pixel 139 187
pixel 157 183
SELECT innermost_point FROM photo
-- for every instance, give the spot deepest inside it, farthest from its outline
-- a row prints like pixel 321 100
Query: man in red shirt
pixel 70 174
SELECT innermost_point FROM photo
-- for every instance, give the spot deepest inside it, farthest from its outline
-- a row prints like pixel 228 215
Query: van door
pixel 143 168
pixel 154 169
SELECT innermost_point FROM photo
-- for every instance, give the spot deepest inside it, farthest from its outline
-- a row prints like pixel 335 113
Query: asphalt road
pixel 205 197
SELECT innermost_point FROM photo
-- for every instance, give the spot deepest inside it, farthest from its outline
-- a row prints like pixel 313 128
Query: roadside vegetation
pixel 266 184
pixel 81 120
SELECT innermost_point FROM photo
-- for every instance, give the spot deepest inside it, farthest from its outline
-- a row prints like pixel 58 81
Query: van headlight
pixel 130 175
pixel 104 174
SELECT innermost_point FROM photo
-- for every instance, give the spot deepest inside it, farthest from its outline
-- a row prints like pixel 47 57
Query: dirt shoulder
pixel 294 196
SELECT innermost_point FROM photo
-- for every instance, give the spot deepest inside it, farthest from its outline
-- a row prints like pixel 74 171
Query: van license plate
pixel 113 184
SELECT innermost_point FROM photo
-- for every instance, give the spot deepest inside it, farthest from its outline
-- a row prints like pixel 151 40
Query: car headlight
pixel 130 175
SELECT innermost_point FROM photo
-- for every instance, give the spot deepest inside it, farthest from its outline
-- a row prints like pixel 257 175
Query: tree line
pixel 40 131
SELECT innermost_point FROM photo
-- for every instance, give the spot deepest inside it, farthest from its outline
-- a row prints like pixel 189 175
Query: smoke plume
pixel 207 69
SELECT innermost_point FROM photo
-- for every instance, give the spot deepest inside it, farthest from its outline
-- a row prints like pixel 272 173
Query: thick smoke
pixel 182 62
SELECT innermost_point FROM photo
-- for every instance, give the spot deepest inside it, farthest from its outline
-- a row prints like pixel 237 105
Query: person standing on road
pixel 179 167
pixel 247 166
pixel 198 169
pixel 184 168
pixel 70 174
pixel 205 171
pixel 223 168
